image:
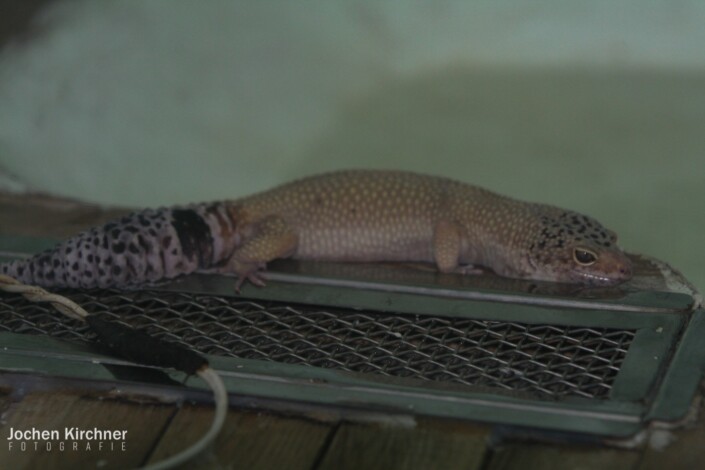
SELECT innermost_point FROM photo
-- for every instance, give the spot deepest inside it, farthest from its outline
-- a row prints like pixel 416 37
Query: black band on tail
pixel 194 234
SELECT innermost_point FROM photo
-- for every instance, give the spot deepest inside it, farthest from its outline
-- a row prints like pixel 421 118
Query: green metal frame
pixel 656 382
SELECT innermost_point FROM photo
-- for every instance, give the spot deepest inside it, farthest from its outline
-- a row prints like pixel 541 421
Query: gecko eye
pixel 584 257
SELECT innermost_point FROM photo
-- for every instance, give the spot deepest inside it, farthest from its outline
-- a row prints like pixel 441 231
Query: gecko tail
pixel 16 269
pixel 140 248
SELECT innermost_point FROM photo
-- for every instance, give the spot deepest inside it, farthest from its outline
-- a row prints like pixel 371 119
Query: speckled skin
pixel 140 248
pixel 342 216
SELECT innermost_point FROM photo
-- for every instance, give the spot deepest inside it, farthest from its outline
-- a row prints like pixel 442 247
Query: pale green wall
pixel 597 106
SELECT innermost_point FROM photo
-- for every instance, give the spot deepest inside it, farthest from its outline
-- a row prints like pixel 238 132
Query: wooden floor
pixel 264 439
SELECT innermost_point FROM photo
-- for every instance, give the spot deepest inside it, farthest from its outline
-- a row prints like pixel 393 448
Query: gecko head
pixel 571 247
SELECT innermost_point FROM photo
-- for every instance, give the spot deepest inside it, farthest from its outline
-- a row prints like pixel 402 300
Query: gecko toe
pixel 253 276
pixel 469 270
pixel 257 279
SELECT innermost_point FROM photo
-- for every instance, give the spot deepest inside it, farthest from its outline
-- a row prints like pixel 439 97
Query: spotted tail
pixel 140 248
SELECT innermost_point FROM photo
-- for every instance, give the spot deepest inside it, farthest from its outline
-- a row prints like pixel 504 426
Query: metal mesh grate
pixel 551 361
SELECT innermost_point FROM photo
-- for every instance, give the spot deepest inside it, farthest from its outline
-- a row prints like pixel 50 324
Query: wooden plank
pixel 40 410
pixel 684 450
pixel 248 440
pixel 550 457
pixel 368 447
pixel 5 400
pixel 58 411
pixel 143 422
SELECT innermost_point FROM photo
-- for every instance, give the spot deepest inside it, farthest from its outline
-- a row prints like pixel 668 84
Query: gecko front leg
pixel 447 242
pixel 269 239
pixel 447 249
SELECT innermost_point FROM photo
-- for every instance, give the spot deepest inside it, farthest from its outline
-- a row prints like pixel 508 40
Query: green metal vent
pixel 406 339
pixel 546 360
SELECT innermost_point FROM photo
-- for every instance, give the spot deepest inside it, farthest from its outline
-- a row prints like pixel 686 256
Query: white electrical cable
pixel 37 294
pixel 221 410
pixel 207 374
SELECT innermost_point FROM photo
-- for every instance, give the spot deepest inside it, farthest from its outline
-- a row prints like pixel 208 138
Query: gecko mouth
pixel 618 276
pixel 595 279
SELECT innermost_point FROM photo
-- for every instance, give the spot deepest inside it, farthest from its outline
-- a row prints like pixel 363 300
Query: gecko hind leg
pixel 271 238
pixel 248 272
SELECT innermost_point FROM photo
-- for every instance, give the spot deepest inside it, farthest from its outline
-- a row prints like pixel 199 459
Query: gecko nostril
pixel 625 271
